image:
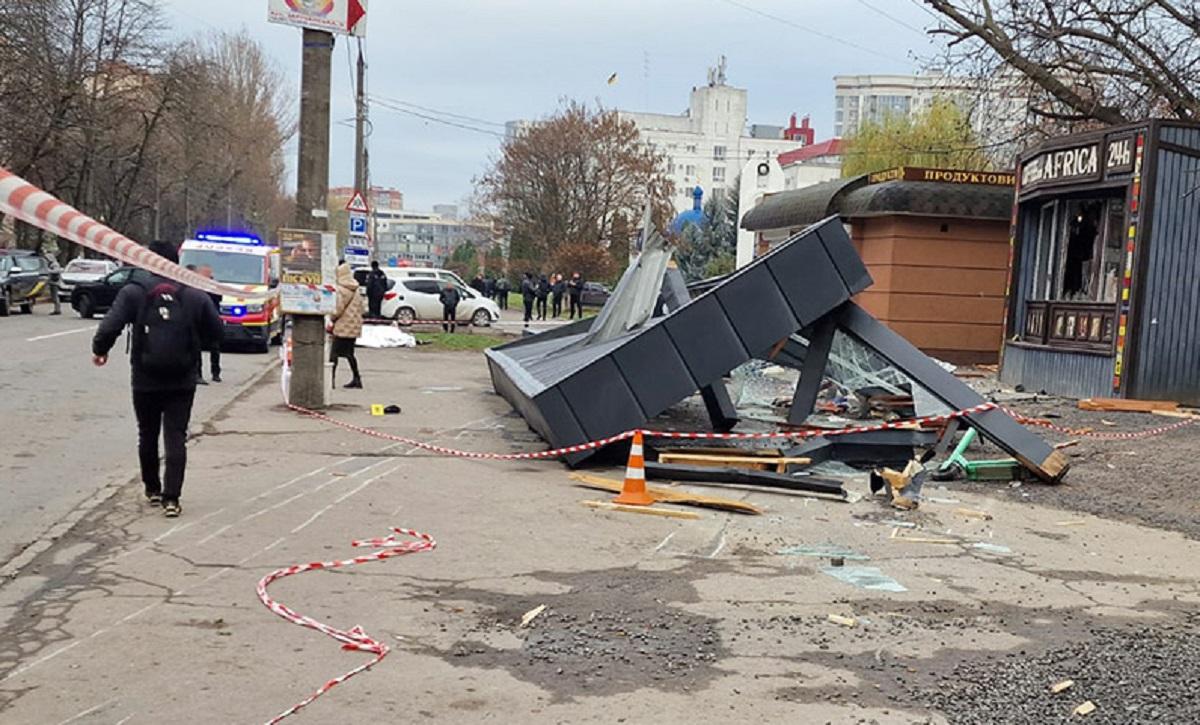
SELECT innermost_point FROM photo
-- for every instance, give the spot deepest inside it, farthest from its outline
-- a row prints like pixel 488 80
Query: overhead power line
pixel 889 16
pixel 435 119
pixel 437 112
pixel 809 30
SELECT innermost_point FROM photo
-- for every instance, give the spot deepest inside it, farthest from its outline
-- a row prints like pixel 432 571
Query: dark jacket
pixel 377 284
pixel 559 288
pixel 126 309
pixel 450 297
pixel 528 289
pixel 543 288
pixel 575 287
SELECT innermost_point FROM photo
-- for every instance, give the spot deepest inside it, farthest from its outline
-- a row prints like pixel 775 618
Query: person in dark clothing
pixel 214 353
pixel 477 284
pixel 528 295
pixel 377 285
pixel 575 295
pixel 557 290
pixel 489 288
pixel 543 292
pixel 502 288
pixel 163 375
pixel 450 297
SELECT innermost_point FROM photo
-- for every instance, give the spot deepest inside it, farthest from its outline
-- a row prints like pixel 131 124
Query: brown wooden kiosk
pixel 1105 293
pixel 936 242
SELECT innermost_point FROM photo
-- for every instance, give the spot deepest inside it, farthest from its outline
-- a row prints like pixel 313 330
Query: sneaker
pixel 355 384
pixel 154 498
pixel 216 378
pixel 201 381
pixel 172 509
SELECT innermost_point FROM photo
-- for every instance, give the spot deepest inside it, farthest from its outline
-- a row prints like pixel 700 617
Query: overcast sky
pixel 499 60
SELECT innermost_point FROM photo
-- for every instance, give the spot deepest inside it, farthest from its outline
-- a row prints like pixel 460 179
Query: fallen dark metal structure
pixel 743 477
pixel 572 394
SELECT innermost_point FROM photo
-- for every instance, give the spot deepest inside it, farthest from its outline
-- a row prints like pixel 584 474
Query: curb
pixel 50 536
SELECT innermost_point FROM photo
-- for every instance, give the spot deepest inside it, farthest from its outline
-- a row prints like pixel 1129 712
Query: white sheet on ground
pixel 381 336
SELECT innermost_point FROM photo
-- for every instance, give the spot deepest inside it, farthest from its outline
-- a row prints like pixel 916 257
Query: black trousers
pixel 576 304
pixel 556 305
pixel 168 412
pixel 374 306
pixel 214 361
pixel 449 315
pixel 502 300
pixel 528 309
pixel 541 308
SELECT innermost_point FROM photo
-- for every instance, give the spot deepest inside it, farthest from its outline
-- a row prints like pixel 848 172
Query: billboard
pixel 347 17
pixel 309 260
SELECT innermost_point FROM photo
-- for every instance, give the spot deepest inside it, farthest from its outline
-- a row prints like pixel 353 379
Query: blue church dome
pixel 695 215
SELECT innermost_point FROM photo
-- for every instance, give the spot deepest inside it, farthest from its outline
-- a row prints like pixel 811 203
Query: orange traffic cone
pixel 634 492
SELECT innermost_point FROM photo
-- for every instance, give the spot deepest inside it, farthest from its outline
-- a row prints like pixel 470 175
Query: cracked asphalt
pixel 132 618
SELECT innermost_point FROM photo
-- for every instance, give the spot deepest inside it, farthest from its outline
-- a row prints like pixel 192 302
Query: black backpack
pixel 167 345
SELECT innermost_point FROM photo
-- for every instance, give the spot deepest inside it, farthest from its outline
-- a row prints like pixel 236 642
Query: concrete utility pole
pixel 360 124
pixel 312 189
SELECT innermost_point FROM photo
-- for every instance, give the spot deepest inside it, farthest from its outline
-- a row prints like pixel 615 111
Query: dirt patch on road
pixel 614 631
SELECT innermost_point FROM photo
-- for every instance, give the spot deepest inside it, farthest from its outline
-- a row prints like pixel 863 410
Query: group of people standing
pixel 493 289
pixel 536 292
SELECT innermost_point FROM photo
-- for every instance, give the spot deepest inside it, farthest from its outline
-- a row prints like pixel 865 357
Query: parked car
pixel 442 275
pixel 89 298
pixel 81 271
pixel 417 299
pixel 594 294
pixel 23 276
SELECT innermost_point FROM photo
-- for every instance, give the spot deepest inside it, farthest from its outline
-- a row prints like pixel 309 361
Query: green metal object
pixel 957 465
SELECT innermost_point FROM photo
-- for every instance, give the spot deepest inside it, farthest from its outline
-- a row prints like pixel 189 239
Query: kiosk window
pixel 1078 256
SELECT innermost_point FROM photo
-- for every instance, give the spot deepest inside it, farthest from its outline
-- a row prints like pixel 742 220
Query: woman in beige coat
pixel 347 326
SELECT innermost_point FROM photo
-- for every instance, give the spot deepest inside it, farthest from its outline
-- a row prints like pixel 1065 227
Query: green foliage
pixel 940 137
pixel 711 245
pixel 464 261
pixel 458 341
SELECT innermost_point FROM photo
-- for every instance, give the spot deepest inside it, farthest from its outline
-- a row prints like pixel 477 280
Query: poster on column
pixel 309 265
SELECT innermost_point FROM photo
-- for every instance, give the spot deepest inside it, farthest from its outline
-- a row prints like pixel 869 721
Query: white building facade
pixel 708 145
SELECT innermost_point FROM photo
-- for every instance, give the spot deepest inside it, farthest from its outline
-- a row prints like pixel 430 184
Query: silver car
pixel 80 271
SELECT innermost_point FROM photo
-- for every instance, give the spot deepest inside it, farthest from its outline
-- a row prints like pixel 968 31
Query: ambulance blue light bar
pixel 229 238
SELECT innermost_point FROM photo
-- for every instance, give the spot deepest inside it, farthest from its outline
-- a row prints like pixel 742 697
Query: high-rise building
pixel 708 144
pixel 426 239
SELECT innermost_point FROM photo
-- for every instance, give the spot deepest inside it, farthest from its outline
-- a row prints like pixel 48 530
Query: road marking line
pixel 60 334
pixel 88 711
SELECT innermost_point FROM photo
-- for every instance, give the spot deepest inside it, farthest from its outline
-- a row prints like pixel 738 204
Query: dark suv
pixel 23 276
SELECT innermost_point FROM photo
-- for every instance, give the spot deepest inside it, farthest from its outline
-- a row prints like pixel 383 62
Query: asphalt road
pixel 67 427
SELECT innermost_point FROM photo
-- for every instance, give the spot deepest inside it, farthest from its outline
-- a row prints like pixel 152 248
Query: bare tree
pixel 567 181
pixel 1086 62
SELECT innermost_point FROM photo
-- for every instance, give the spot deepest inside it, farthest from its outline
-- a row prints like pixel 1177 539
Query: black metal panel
pixel 600 399
pixel 757 309
pixel 808 277
pixel 655 371
pixel 1168 324
pixel 705 338
pixel 850 266
pixel 1037 455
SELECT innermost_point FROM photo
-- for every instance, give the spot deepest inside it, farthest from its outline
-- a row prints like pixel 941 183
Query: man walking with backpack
pixel 171 324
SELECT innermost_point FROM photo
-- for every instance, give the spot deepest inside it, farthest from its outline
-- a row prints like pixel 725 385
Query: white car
pixel 416 298
pixel 79 271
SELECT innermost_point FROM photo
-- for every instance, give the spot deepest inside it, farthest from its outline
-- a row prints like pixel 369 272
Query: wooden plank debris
pixel 1127 405
pixel 661 495
pixel 778 464
pixel 1085 708
pixel 532 614
pixel 844 621
pixel 1062 686
pixel 647 510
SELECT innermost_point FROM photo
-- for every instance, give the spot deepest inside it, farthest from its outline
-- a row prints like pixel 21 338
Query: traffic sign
pixel 358 204
pixel 358 225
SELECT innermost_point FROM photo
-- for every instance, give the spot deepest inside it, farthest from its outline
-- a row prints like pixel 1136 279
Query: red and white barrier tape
pixel 355 638
pixel 1099 435
pixel 593 445
pixel 24 201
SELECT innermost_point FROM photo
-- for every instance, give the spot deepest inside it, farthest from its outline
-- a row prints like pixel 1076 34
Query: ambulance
pixel 241 259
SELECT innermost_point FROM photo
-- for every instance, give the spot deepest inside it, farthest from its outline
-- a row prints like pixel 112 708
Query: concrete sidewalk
pixel 133 618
